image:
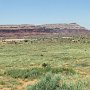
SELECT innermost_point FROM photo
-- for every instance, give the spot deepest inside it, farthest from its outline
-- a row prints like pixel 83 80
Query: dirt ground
pixel 22 86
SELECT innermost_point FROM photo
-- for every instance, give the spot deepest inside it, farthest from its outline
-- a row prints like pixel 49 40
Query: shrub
pixel 45 65
pixel 50 82
pixel 53 82
pixel 26 40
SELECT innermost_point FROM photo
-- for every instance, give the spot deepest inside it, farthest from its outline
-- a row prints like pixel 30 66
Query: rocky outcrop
pixel 63 26
pixel 28 30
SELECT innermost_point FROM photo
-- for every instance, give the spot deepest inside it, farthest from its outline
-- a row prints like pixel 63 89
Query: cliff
pixel 28 30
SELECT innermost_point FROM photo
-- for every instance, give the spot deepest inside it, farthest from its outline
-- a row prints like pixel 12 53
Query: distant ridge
pixel 63 26
pixel 27 30
pixel 49 26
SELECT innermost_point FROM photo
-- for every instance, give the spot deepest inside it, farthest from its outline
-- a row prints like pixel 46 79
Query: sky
pixel 45 12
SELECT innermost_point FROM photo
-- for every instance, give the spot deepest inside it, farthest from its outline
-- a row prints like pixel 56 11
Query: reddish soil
pixel 24 84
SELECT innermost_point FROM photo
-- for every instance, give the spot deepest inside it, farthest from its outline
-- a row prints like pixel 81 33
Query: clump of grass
pixel 49 82
pixel 64 70
pixel 53 82
pixel 67 71
pixel 38 72
pixel 23 73
pixel 83 64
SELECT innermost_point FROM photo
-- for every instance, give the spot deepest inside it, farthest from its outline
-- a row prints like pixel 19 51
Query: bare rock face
pixel 28 30
pixel 63 26
pixel 16 27
pixel 47 26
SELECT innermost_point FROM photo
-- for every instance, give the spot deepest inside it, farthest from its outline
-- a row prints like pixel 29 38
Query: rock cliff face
pixel 63 26
pixel 28 30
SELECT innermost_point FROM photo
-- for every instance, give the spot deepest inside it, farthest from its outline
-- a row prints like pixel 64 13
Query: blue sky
pixel 45 11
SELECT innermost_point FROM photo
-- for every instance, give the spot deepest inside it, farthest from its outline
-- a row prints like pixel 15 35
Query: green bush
pixel 44 65
pixel 50 82
pixel 53 82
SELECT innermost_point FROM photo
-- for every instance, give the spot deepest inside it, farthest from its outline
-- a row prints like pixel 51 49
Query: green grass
pixel 64 57
pixel 2 83
pixel 38 72
pixel 49 82
pixel 25 73
pixel 24 54
pixel 53 82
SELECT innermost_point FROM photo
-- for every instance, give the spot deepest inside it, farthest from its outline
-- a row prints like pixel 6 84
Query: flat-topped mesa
pixel 27 30
pixel 63 26
pixel 46 26
pixel 16 27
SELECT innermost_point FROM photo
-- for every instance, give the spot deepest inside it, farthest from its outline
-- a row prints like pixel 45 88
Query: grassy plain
pixel 63 56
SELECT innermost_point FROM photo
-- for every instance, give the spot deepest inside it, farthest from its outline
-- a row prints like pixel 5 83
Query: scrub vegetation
pixel 45 64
